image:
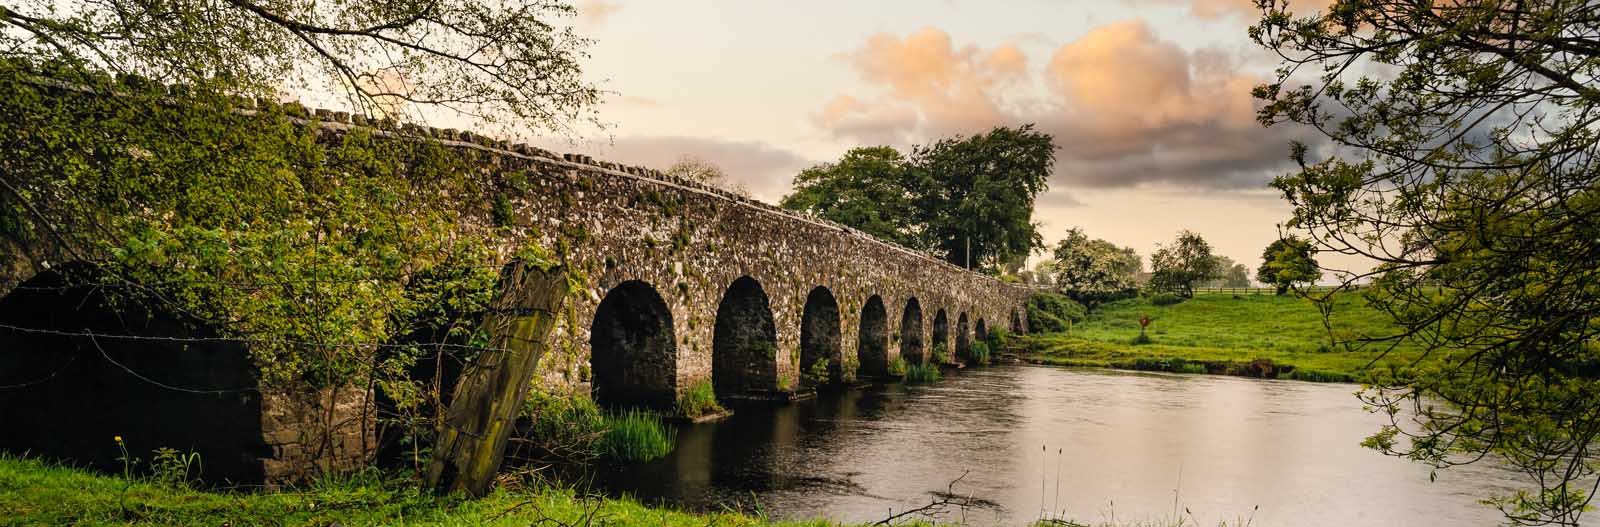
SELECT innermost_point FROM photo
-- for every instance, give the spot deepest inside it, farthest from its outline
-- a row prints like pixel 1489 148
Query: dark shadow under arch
pixel 941 335
pixel 980 331
pixel 1016 323
pixel 872 349
pixel 634 355
pixel 67 395
pixel 744 345
pixel 911 332
pixel 819 336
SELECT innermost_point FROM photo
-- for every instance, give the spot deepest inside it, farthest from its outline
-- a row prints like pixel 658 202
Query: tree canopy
pixel 495 63
pixel 1288 261
pixel 1093 270
pixel 1181 265
pixel 1461 149
pixel 968 200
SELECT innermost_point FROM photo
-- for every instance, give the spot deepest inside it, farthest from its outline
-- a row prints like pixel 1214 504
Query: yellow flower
pixel 116 438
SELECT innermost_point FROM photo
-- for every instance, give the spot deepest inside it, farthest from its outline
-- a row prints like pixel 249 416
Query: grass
pixel 33 492
pixel 1258 336
pixel 921 373
pixel 698 400
pixel 635 436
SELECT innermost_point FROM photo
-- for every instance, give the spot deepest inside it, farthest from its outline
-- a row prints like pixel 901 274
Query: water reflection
pixel 1125 444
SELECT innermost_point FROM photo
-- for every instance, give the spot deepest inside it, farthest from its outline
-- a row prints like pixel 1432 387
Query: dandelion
pixel 116 438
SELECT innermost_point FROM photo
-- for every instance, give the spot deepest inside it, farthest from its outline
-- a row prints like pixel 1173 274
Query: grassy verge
pixel 37 493
pixel 1254 336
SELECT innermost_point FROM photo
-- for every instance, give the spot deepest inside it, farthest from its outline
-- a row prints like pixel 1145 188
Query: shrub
pixel 998 338
pixel 1051 313
pixel 635 436
pixel 922 373
pixel 897 366
pixel 1165 299
pixel 979 352
pixel 699 399
pixel 818 372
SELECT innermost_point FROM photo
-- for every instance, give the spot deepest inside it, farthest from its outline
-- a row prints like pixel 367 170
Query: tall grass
pixel 635 436
pixel 699 399
pixel 921 373
pixel 979 352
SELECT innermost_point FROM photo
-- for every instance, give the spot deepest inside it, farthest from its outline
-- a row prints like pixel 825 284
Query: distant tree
pixel 973 196
pixel 695 168
pixel 1465 165
pixel 1286 262
pixel 1230 273
pixel 864 190
pixel 1092 271
pixel 1178 267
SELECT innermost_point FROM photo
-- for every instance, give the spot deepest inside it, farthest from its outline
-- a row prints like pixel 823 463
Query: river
pixel 1127 446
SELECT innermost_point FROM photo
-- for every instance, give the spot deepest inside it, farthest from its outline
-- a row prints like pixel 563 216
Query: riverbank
pixel 1252 336
pixel 33 492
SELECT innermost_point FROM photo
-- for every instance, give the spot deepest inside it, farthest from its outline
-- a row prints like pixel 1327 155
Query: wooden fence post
pixel 477 426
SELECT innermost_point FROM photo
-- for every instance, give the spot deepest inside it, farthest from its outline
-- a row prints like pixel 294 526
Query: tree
pixel 491 62
pixel 1178 267
pixel 973 196
pixel 968 200
pixel 864 190
pixel 1286 262
pixel 1467 172
pixel 1230 273
pixel 1093 271
pixel 695 168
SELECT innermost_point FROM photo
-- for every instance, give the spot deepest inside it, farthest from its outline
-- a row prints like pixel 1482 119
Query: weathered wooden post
pixel 484 405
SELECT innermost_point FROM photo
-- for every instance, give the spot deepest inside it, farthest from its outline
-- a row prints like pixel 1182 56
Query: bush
pixel 897 366
pixel 1165 299
pixel 1051 313
pixel 817 374
pixel 979 352
pixel 699 399
pixel 635 436
pixel 922 373
pixel 998 338
pixel 939 357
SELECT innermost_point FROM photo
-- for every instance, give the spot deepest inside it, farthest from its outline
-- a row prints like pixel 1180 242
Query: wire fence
pixel 1246 291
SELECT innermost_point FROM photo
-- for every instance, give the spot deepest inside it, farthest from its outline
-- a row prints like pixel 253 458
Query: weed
pixel 818 372
pixel 922 373
pixel 897 366
pixel 635 436
pixel 979 352
pixel 697 400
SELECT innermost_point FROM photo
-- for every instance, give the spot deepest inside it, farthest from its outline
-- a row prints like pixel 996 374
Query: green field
pixel 1225 334
pixel 37 493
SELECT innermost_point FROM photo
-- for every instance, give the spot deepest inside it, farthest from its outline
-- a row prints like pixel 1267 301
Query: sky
pixel 1148 100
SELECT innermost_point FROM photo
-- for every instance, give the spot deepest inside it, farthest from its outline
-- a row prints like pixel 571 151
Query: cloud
pixel 1126 107
pixel 593 13
pixel 764 170
pixel 1244 9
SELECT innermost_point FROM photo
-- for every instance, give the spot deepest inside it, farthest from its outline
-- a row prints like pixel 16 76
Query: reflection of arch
pixel 744 345
pixel 911 332
pixel 941 335
pixel 872 347
pixel 67 395
pixel 963 342
pixel 819 334
pixel 634 357
pixel 980 331
pixel 1016 322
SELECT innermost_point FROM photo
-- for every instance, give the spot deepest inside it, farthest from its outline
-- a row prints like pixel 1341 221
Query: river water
pixel 1127 446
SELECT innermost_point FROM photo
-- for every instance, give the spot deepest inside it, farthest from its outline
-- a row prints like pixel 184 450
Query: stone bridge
pixel 685 285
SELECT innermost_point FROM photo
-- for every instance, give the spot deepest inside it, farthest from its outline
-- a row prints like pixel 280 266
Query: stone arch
pixel 123 367
pixel 819 335
pixel 1016 322
pixel 633 357
pixel 911 348
pixel 744 343
pixel 941 335
pixel 980 331
pixel 963 340
pixel 872 343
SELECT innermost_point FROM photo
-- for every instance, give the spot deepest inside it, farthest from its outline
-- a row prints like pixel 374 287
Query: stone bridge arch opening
pixel 963 340
pixel 941 335
pixel 911 348
pixel 872 346
pixel 634 354
pixel 744 345
pixel 1016 322
pixel 819 337
pixel 980 331
pixel 81 366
